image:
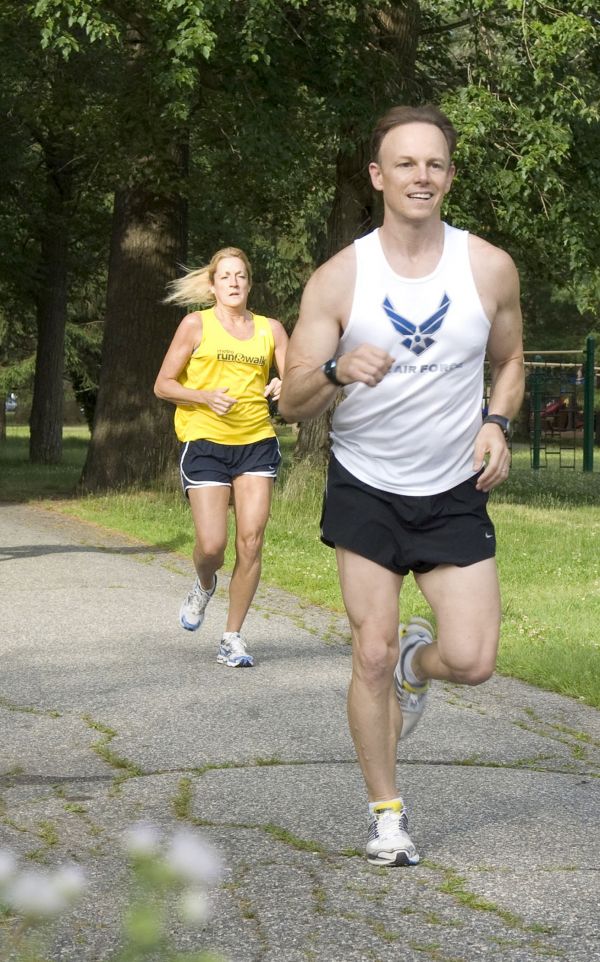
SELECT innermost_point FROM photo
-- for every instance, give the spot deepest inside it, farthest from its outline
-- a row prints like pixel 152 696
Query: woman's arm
pixel 273 388
pixel 185 341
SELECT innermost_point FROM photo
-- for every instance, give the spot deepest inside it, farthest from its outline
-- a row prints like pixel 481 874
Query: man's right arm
pixel 324 311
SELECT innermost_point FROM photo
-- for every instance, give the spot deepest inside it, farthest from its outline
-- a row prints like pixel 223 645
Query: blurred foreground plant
pixel 169 877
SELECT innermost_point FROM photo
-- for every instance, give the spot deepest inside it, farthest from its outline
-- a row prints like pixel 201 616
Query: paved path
pixel 110 713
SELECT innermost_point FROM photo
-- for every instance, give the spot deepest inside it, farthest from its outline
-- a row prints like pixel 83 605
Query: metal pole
pixel 588 404
pixel 536 406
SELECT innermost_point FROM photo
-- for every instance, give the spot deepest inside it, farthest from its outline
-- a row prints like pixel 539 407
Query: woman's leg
pixel 209 511
pixel 252 495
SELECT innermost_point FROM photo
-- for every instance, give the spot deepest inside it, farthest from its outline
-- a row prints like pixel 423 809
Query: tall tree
pixel 166 47
pixel 51 149
pixel 132 441
pixel 46 419
pixel 156 49
pixel 36 100
pixel 276 100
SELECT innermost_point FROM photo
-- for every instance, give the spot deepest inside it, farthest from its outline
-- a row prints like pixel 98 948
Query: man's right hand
pixel 366 363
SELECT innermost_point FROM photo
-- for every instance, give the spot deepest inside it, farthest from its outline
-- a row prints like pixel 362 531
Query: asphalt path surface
pixel 111 714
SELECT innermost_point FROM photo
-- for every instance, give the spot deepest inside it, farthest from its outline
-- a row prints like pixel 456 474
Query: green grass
pixel 22 481
pixel 548 526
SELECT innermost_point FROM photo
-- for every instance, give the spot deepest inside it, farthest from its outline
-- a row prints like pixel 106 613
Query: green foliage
pixel 17 376
pixel 266 94
pixel 521 82
pixel 306 78
pixel 83 354
pixel 325 71
pixel 64 24
pixel 53 138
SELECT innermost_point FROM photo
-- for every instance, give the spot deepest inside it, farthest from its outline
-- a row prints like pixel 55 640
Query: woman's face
pixel 230 284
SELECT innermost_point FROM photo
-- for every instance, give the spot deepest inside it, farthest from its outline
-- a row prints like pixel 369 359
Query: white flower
pixel 70 881
pixel 35 894
pixel 142 839
pixel 193 859
pixel 8 866
pixel 194 906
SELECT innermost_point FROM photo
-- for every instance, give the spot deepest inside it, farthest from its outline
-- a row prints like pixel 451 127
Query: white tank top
pixel 414 432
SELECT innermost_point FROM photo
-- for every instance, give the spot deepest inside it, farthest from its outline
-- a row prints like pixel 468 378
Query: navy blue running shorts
pixel 406 533
pixel 206 463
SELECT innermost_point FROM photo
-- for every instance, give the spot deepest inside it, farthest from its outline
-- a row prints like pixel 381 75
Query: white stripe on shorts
pixel 187 483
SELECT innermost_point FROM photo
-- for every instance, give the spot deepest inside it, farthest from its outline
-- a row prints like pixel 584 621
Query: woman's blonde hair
pixel 195 285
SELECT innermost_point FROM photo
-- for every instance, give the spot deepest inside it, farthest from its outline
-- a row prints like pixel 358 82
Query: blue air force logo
pixel 417 337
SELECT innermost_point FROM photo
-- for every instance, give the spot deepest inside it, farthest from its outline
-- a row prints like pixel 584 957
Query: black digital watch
pixel 329 370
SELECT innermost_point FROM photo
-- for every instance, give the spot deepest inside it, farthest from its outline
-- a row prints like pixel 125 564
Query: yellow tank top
pixel 222 360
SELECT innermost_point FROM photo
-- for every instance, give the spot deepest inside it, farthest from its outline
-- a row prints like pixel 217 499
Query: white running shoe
pixel 388 841
pixel 412 698
pixel 232 651
pixel 191 613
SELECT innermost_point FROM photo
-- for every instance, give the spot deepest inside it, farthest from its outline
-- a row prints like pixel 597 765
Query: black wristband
pixel 502 422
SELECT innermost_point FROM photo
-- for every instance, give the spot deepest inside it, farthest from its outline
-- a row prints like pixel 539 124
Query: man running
pixel 402 320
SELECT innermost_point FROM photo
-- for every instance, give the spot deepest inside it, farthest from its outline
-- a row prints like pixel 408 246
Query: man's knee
pixel 374 662
pixel 470 661
pixel 473 674
pixel 472 671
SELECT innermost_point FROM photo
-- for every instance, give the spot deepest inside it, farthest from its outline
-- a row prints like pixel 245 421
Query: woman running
pixel 217 373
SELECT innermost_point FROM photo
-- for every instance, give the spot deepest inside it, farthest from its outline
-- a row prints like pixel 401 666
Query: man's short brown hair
pixel 427 114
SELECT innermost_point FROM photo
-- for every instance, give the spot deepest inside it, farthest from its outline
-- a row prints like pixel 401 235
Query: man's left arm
pixel 505 356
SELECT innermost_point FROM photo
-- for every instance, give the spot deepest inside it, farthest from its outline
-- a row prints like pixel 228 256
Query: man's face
pixel 413 170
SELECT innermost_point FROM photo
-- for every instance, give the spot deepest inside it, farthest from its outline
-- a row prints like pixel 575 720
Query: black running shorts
pixel 205 463
pixel 405 533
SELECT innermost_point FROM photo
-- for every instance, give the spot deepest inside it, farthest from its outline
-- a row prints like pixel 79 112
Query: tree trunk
pixel 46 419
pixel 2 417
pixel 356 209
pixel 312 443
pixel 133 441
pixel 352 213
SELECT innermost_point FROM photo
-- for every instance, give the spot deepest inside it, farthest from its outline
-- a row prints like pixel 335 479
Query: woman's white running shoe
pixel 232 651
pixel 191 613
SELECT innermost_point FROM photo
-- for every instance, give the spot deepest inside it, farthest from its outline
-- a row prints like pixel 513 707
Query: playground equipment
pixel 559 406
